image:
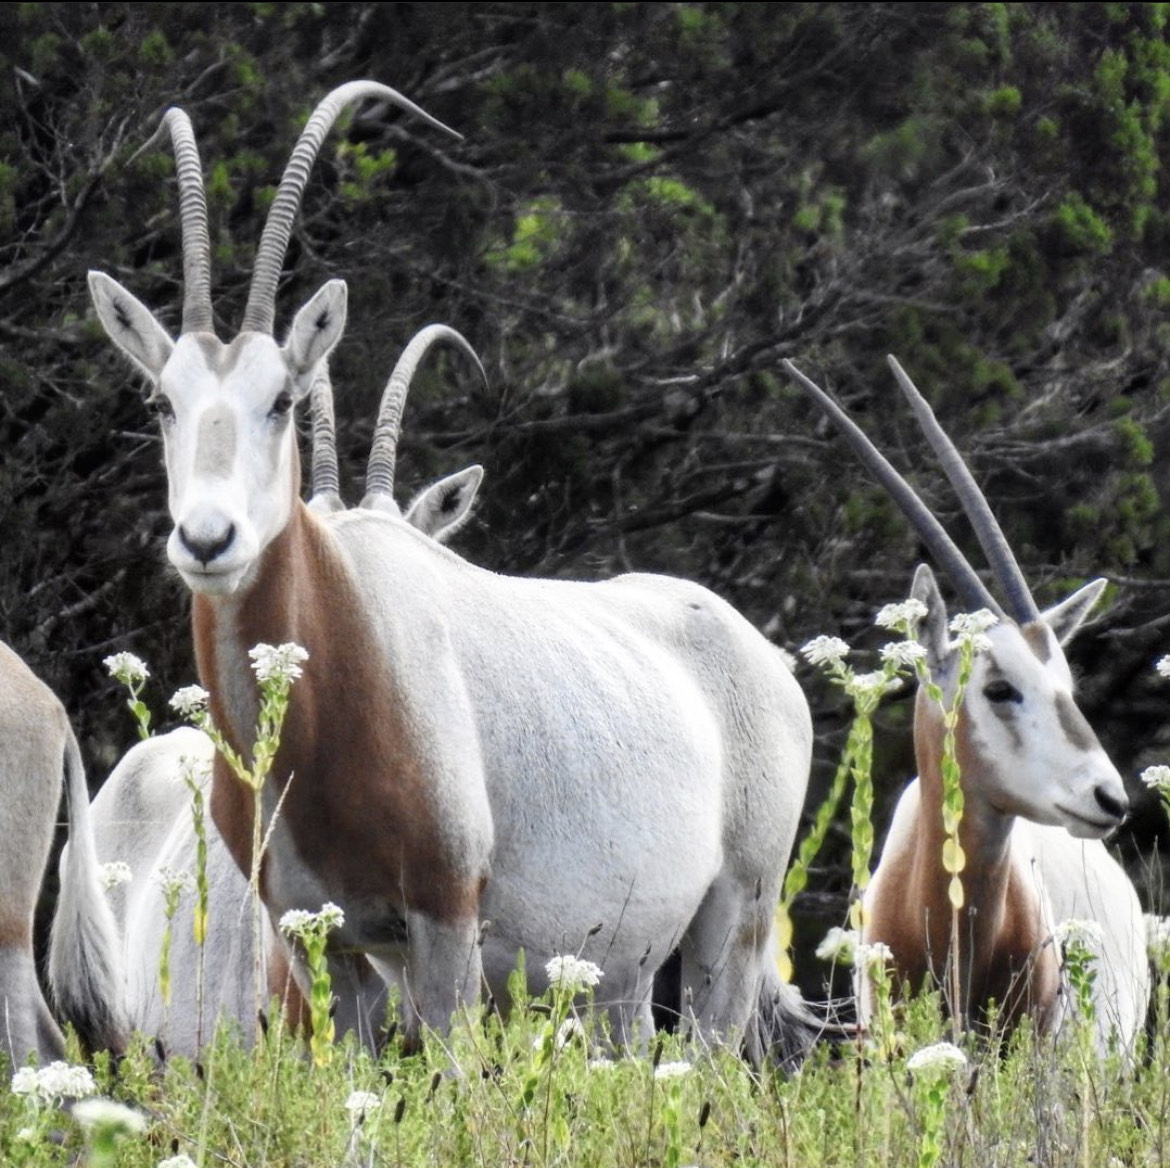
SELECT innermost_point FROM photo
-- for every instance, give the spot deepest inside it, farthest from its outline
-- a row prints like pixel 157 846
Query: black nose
pixel 1112 806
pixel 206 550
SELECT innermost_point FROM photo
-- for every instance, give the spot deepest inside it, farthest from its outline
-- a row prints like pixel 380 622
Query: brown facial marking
pixel 1076 729
pixel 1037 634
pixel 358 808
pixel 215 442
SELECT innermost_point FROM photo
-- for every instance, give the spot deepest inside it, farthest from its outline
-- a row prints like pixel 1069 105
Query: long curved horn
pixel 325 479
pixel 192 216
pixel 1017 595
pixel 384 448
pixel 261 308
pixel 950 559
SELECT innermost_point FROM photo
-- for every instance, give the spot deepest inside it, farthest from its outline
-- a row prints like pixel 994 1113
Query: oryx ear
pixel 315 330
pixel 932 632
pixel 130 325
pixel 1066 618
pixel 442 509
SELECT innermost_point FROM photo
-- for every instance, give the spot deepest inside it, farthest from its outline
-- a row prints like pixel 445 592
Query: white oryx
pixel 37 748
pixel 142 814
pixel 480 764
pixel 1039 790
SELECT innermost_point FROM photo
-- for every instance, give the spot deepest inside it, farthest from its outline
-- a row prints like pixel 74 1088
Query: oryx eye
pixel 1002 691
pixel 161 407
pixel 282 405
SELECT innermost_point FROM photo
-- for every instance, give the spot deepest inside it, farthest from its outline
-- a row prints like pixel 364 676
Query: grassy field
pixel 539 1091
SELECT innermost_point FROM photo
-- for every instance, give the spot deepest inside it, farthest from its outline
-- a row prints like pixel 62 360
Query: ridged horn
pixel 260 312
pixel 193 218
pixel 1018 599
pixel 950 559
pixel 384 448
pixel 325 479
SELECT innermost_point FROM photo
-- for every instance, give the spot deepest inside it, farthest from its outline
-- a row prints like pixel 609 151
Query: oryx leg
pixel 444 971
pixel 721 953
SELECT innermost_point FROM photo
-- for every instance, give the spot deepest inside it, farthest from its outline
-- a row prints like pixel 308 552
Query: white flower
pixel 839 945
pixel 1157 777
pixel 861 685
pixel 903 617
pixel 278 662
pixel 109 1116
pixel 114 873
pixel 126 668
pixel 58 1080
pixel 190 700
pixel 572 973
pixel 1163 666
pixel 1157 936
pixel 569 1029
pixel 182 1160
pixel 970 625
pixel 299 922
pixel 872 955
pixel 941 1058
pixel 823 650
pixel 1080 933
pixel 903 654
pixel 174 881
pixel 361 1103
pixel 672 1070
pixel 601 1063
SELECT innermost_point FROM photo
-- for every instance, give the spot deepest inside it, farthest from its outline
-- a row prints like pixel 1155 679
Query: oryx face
pixel 1025 747
pixel 226 416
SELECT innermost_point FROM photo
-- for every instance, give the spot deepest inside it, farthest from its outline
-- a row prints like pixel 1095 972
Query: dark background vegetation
pixel 652 205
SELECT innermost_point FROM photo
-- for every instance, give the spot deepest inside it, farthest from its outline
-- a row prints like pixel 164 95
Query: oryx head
pixel 226 409
pixel 1025 747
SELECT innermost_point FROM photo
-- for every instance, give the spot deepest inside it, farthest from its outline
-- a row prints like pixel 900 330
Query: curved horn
pixel 951 560
pixel 325 478
pixel 384 448
pixel 261 308
pixel 193 217
pixel 1018 597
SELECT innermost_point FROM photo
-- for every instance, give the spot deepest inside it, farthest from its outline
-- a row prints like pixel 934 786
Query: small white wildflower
pixel 1084 934
pixel 568 1030
pixel 174 881
pixel 126 668
pixel 182 1160
pixel 572 973
pixel 672 1070
pixel 839 945
pixel 297 922
pixel 903 654
pixel 601 1063
pixel 195 770
pixel 877 683
pixel 1157 936
pixel 1157 777
pixel 972 624
pixel 190 700
pixel 58 1080
pixel 872 955
pixel 361 1103
pixel 941 1058
pixel 109 1116
pixel 114 873
pixel 824 650
pixel 904 616
pixel 278 662
pixel 1163 666
pixel 29 1135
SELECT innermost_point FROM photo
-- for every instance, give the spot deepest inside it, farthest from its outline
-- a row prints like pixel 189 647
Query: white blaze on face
pixel 226 414
pixel 1038 756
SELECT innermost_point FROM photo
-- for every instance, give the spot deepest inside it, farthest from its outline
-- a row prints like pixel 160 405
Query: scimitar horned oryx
pixel 143 813
pixel 1039 790
pixel 482 764
pixel 37 751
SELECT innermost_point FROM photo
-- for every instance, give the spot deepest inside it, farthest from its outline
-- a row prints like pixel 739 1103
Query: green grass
pixel 495 1093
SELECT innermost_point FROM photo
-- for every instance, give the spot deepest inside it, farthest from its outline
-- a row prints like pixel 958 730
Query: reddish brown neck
pixel 1001 931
